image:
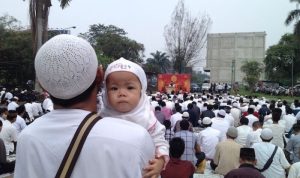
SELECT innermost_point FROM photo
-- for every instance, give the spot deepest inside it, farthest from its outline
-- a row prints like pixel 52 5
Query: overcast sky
pixel 144 20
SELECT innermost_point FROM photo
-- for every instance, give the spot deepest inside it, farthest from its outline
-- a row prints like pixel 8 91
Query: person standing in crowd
pixel 177 168
pixel 67 68
pixel 124 96
pixel 263 152
pixel 227 153
pixel 247 166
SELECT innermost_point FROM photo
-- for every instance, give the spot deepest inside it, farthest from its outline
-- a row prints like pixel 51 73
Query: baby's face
pixel 123 91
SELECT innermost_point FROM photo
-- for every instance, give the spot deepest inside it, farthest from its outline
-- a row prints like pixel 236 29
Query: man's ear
pixel 99 75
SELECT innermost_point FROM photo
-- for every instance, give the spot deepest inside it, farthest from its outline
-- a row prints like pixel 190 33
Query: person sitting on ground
pixel 177 168
pixel 192 151
pixel 254 136
pixel 159 115
pixel 185 116
pixel 247 166
pixel 263 152
pixel 227 153
pixel 243 131
pixel 67 68
pixel 208 138
pixel 5 166
pixel 293 145
pixel 169 132
pixel 124 96
pixel 9 133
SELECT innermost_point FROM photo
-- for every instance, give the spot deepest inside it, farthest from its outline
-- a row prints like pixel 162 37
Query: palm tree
pixel 160 61
pixel 294 15
pixel 39 13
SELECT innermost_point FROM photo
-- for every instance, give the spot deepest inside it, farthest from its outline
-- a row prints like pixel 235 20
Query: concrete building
pixel 226 53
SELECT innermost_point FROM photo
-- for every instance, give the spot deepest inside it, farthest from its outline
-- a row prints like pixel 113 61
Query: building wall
pixel 226 53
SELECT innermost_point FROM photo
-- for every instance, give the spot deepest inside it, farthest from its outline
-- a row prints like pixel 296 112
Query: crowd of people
pixel 94 124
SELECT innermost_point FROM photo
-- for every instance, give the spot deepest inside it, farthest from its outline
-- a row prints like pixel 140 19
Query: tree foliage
pixel 252 70
pixel 111 41
pixel 294 15
pixel 279 59
pixel 185 37
pixel 158 63
pixel 16 57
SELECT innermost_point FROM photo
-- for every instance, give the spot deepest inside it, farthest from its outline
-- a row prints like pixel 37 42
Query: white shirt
pixel 174 118
pixel 29 110
pixel 12 106
pixel 253 137
pixel 229 119
pixel 9 135
pixel 263 151
pixel 37 109
pixel 243 132
pixel 19 124
pixel 8 95
pixel 251 119
pixel 278 131
pixel 220 124
pixel 236 114
pixel 48 104
pixel 112 143
pixel 294 171
pixel 290 120
pixel 208 140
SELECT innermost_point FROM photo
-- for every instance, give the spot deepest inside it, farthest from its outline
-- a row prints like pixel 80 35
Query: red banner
pixel 173 82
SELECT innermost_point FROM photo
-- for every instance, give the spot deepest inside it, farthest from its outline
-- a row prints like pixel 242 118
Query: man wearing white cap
pixel 221 124
pixel 67 67
pixel 13 104
pixel 263 152
pixel 208 138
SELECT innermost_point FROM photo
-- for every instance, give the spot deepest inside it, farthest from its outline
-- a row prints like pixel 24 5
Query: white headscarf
pixel 142 113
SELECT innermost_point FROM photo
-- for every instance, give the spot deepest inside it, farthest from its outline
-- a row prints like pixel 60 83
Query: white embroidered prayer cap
pixel 66 66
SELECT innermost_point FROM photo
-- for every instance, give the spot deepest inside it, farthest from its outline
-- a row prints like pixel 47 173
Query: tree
pixel 252 70
pixel 39 13
pixel 294 16
pixel 111 41
pixel 185 37
pixel 279 59
pixel 159 62
pixel 16 65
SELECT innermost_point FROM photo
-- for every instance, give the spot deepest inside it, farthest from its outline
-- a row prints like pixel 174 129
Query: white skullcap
pixel 266 134
pixel 236 105
pixel 222 113
pixel 185 114
pixel 127 66
pixel 66 66
pixel 206 121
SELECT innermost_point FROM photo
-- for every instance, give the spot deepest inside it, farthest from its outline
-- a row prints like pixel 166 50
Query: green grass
pixel 245 92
